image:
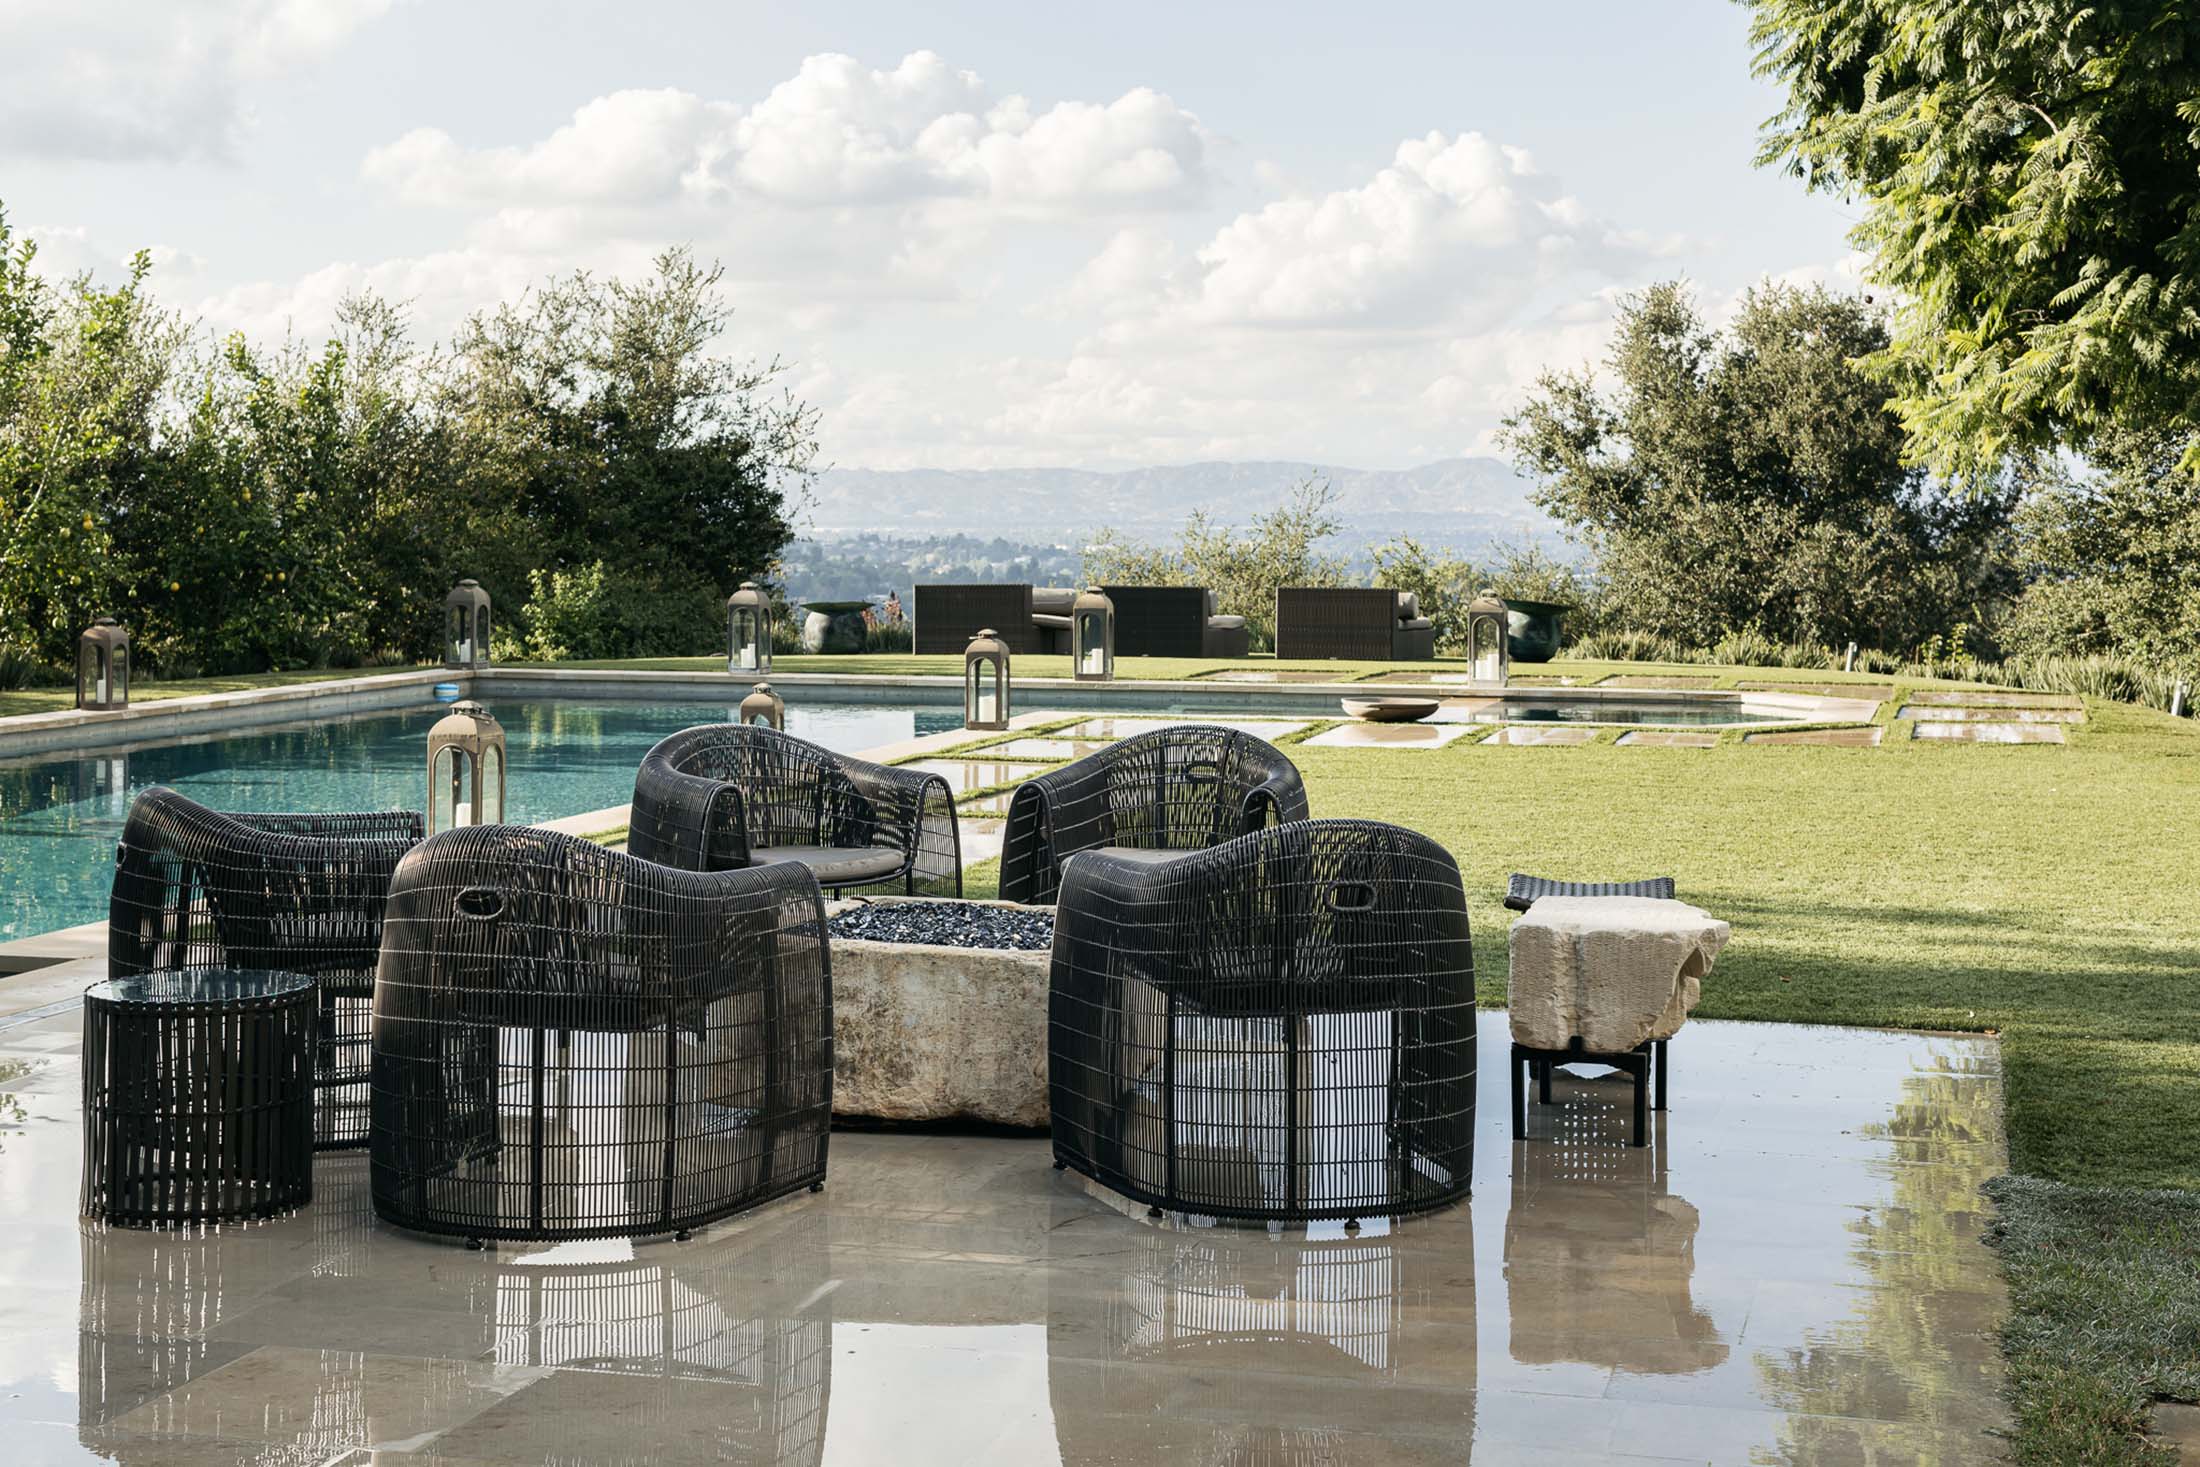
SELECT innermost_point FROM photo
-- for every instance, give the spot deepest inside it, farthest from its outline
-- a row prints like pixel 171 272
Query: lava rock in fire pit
pixel 947 924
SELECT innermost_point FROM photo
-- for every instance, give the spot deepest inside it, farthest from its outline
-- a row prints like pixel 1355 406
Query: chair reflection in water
pixel 1600 1257
pixel 1204 1305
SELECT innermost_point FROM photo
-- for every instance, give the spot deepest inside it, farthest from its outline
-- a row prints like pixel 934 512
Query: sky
pixel 978 235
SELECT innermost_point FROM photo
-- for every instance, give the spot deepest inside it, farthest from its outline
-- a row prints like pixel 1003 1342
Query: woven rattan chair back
pixel 708 798
pixel 1181 788
pixel 1279 1027
pixel 571 1042
pixel 297 893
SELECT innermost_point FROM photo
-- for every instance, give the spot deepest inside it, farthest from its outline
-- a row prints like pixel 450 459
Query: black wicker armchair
pixel 1281 1027
pixel 573 1042
pixel 298 893
pixel 1175 789
pixel 724 796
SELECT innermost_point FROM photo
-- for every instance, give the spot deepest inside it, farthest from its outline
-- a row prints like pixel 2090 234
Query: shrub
pixel 597 611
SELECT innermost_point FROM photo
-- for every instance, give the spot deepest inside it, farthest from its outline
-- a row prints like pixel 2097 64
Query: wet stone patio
pixel 1792 1273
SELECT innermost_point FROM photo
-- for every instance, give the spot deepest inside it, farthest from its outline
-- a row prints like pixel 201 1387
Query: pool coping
pixel 74 730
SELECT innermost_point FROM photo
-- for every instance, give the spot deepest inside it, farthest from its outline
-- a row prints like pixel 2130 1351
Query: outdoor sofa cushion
pixel 834 864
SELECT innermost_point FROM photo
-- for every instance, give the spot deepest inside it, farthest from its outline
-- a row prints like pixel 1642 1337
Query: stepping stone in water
pixel 1847 738
pixel 1541 734
pixel 1939 714
pixel 1959 699
pixel 1632 680
pixel 1669 738
pixel 1389 736
pixel 1989 733
pixel 964 775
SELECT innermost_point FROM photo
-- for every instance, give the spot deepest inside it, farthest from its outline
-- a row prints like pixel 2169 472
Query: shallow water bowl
pixel 1389 710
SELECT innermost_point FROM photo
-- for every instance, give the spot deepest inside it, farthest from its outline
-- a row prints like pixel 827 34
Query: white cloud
pixel 106 80
pixel 837 133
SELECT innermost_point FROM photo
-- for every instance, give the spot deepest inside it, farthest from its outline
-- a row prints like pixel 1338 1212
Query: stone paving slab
pixel 1961 699
pixel 1541 733
pixel 1116 726
pixel 1845 738
pixel 1989 733
pixel 1669 738
pixel 1389 736
pixel 1939 714
pixel 1047 747
pixel 964 775
pixel 1870 692
pixel 1633 680
pixel 1254 675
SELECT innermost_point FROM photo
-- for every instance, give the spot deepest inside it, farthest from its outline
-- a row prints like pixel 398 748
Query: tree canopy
pixel 2029 173
pixel 1751 478
pixel 243 507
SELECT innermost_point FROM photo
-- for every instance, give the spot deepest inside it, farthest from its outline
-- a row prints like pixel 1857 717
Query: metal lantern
pixel 748 631
pixel 1489 642
pixel 465 769
pixel 986 682
pixel 103 666
pixel 1092 636
pixel 763 706
pixel 466 626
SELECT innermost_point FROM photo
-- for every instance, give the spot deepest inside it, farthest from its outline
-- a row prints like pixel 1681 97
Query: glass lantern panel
pixel 447 793
pixel 459 647
pixel 1092 642
pixel 481 633
pixel 120 673
pixel 744 640
pixel 490 806
pixel 87 672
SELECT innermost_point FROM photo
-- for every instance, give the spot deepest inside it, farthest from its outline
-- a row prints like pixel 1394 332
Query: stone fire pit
pixel 950 1028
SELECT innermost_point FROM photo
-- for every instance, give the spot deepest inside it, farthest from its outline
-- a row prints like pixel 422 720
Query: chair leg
pixel 1665 1068
pixel 1641 1071
pixel 1543 1081
pixel 1518 1067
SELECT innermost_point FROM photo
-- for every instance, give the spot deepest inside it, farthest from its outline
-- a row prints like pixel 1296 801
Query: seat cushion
pixel 1054 600
pixel 832 864
pixel 1409 605
pixel 1048 619
pixel 1227 623
pixel 1415 624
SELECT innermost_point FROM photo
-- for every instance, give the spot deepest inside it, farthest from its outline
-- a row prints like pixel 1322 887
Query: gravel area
pixel 947 924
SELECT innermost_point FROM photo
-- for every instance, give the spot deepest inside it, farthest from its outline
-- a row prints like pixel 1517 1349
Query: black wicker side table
pixel 198 1096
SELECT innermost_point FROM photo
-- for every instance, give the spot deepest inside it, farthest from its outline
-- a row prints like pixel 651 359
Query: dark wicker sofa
pixel 1174 621
pixel 1359 623
pixel 299 893
pixel 944 618
pixel 1280 1027
pixel 725 796
pixel 1180 788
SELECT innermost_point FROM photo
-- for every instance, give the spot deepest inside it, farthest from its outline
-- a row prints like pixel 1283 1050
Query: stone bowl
pixel 1389 710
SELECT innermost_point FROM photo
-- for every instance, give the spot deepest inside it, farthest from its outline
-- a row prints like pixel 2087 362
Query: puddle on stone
pixel 1960 699
pixel 1669 738
pixel 1989 733
pixel 1632 680
pixel 1846 738
pixel 1115 726
pixel 964 775
pixel 1518 734
pixel 1390 736
pixel 1048 748
pixel 1870 692
pixel 1941 714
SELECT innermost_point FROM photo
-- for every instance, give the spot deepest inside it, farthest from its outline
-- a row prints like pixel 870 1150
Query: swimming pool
pixel 60 817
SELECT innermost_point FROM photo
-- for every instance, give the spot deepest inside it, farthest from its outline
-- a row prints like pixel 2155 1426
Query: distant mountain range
pixel 1462 503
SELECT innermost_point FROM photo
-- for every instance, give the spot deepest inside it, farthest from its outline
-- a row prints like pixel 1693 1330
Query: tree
pixel 1753 479
pixel 2028 174
pixel 2113 558
pixel 1242 566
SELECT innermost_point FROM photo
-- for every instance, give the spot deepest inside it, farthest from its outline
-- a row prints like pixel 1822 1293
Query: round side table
pixel 198 1096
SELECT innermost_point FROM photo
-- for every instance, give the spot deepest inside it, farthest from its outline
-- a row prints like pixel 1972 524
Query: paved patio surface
pixel 1791 1274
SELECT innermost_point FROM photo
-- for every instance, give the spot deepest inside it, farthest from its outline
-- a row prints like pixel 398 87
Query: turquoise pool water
pixel 59 817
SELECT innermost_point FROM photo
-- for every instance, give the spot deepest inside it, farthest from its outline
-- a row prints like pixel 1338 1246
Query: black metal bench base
pixel 1636 1062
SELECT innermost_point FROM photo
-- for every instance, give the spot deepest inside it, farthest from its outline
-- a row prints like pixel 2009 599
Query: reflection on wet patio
pixel 1791 1273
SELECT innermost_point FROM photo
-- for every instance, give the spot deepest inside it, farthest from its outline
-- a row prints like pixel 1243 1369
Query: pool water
pixel 60 817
